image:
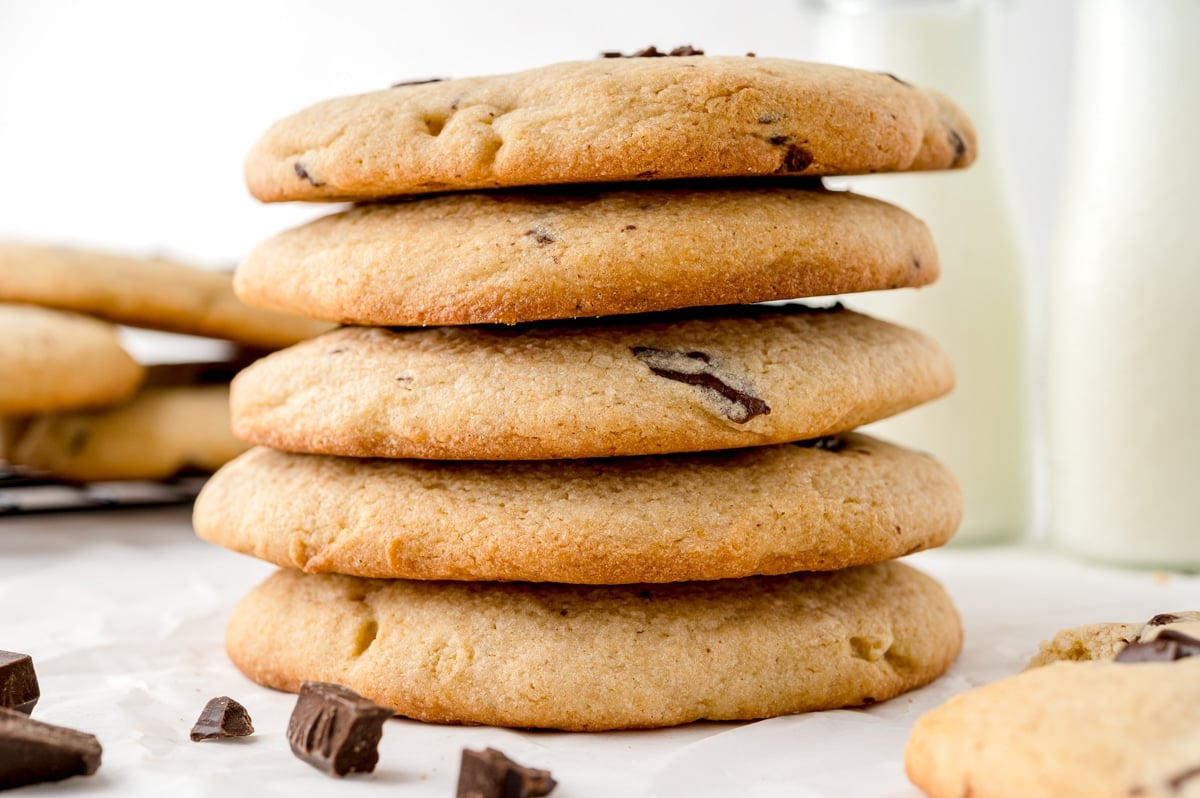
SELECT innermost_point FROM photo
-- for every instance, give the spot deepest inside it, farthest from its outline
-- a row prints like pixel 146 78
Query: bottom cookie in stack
pixel 662 649
pixel 587 658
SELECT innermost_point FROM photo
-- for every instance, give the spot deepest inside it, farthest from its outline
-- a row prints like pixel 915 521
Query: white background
pixel 123 123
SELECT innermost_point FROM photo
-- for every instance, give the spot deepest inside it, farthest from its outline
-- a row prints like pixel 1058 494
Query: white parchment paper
pixel 124 614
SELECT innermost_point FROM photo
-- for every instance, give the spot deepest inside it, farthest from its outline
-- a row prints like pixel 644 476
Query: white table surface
pixel 123 612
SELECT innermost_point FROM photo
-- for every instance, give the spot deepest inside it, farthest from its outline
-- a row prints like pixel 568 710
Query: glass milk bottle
pixel 977 310
pixel 1123 365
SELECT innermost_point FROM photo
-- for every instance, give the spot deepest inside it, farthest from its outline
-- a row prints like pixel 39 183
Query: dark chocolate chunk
pixel 18 682
pixel 1169 646
pixel 1163 619
pixel 490 774
pixel 796 159
pixel 336 730
pixel 420 82
pixel 826 443
pixel 696 368
pixel 32 752
pixel 303 174
pixel 222 717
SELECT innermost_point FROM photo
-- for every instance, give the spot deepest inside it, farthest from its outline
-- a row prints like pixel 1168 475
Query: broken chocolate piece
pixel 1169 646
pixel 490 774
pixel 222 717
pixel 695 368
pixel 32 752
pixel 1162 619
pixel 336 730
pixel 18 682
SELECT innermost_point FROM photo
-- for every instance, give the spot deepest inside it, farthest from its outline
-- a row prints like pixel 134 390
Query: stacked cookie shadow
pixel 558 470
pixel 76 406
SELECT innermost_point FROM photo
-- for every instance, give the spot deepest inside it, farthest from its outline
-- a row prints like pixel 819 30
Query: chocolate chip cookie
pixel 612 119
pixel 526 256
pixel 589 658
pixel 816 505
pixel 153 293
pixel 1107 710
pixel 675 382
pixel 51 360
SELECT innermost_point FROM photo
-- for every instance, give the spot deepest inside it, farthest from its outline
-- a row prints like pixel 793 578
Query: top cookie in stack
pixel 634 210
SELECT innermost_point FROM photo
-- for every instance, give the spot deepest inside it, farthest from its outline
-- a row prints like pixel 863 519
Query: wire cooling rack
pixel 22 494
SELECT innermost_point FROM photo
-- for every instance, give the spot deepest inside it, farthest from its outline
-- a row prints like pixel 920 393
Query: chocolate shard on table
pixel 491 774
pixel 18 682
pixel 32 752
pixel 336 730
pixel 222 717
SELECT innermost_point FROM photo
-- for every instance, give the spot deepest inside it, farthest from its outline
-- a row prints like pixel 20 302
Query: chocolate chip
pixel 1178 781
pixel 796 159
pixel 695 368
pixel 647 174
pixel 826 443
pixel 893 77
pixel 960 146
pixel 778 140
pixel 541 235
pixel 32 752
pixel 18 682
pixel 652 52
pixel 421 82
pixel 629 227
pixel 490 774
pixel 1169 646
pixel 222 717
pixel 336 730
pixel 1163 619
pixel 916 262
pixel 303 174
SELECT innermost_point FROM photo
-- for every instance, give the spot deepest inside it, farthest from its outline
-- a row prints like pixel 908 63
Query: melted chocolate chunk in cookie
pixel 1169 646
pixel 696 368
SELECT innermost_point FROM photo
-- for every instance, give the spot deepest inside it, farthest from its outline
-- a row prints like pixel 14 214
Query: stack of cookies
pixel 557 470
pixel 76 406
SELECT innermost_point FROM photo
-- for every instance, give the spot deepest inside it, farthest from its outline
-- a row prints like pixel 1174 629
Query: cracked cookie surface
pixel 508 257
pixel 698 380
pixel 826 504
pixel 590 658
pixel 610 120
